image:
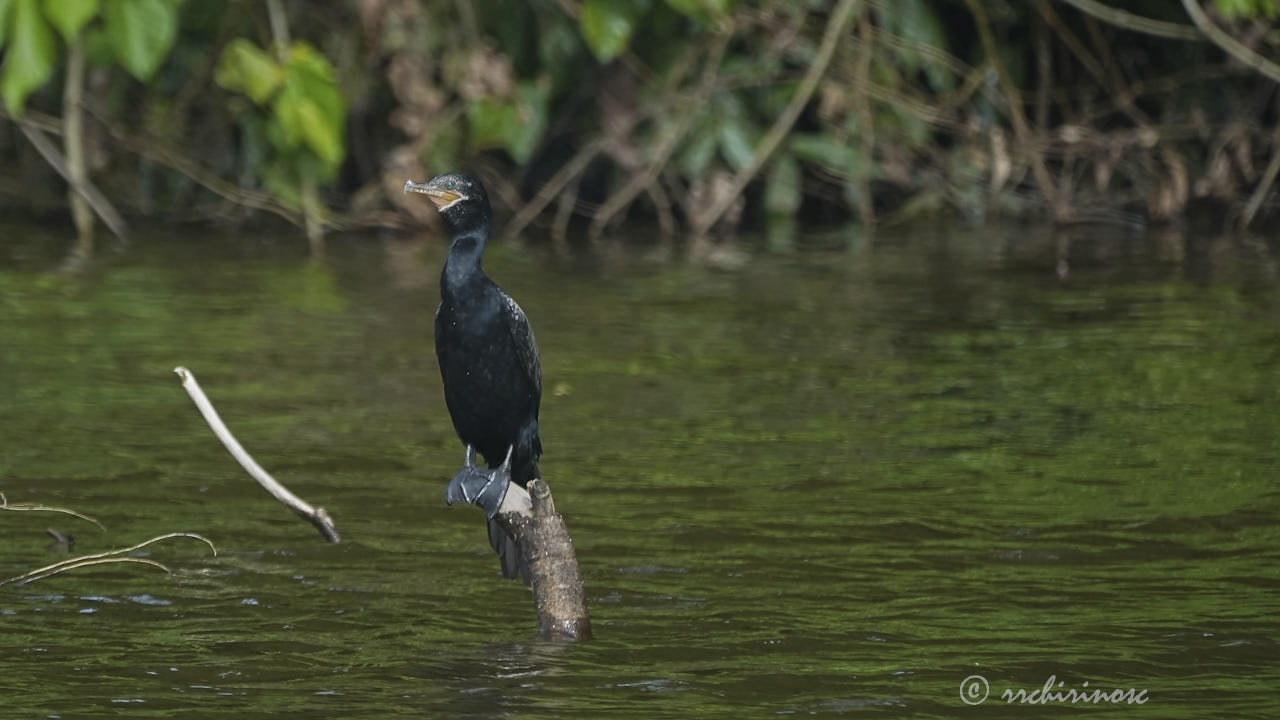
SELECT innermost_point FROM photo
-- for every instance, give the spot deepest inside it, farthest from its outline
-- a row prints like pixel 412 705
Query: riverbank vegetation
pixel 697 115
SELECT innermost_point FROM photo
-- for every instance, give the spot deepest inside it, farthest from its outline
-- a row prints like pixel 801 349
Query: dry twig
pixel 24 507
pixel 317 516
pixel 110 556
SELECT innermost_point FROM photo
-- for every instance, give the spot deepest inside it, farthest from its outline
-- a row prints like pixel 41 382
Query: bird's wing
pixel 439 345
pixel 526 346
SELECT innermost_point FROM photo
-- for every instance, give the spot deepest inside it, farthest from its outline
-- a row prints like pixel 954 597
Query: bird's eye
pixel 450 184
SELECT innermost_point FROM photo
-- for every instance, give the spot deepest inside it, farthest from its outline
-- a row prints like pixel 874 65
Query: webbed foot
pixel 483 488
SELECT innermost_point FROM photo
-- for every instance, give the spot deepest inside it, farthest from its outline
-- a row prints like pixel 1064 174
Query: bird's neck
pixel 462 267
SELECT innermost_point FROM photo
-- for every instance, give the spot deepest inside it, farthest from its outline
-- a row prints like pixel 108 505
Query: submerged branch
pixel 4 505
pixel 110 556
pixel 317 516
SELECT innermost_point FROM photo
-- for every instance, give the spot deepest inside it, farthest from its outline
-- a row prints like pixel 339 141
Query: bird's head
pixel 459 197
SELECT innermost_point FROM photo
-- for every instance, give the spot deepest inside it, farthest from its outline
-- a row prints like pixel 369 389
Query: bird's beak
pixel 439 196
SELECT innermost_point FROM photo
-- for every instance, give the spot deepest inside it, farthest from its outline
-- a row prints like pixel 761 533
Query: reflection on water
pixel 821 482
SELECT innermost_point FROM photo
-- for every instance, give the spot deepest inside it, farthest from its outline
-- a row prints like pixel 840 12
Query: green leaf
pixel 5 7
pixel 516 125
pixel 530 121
pixel 1248 9
pixel 141 33
pixel 70 15
pixel 813 147
pixel 917 21
pixel 607 26
pixel 487 123
pixel 319 134
pixel 244 67
pixel 312 74
pixel 28 62
pixel 734 145
pixel 310 110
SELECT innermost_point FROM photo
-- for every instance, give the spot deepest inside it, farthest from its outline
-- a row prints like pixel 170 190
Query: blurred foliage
pixel 300 114
pixel 1235 9
pixel 138 33
pixel 671 96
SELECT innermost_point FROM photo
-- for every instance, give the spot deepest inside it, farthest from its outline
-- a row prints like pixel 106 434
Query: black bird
pixel 488 360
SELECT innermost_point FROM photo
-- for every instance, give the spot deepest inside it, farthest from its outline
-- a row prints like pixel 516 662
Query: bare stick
pixel 782 126
pixel 103 557
pixel 314 515
pixel 531 518
pixel 562 177
pixel 1264 185
pixel 4 505
pixel 99 202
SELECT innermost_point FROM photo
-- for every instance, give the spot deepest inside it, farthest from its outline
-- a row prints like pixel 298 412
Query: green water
pixel 832 482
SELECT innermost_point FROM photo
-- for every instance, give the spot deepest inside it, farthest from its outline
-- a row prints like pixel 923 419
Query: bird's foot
pixel 480 487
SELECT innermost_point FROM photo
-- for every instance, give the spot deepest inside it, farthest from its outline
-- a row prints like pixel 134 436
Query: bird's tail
pixel 509 554
pixel 523 469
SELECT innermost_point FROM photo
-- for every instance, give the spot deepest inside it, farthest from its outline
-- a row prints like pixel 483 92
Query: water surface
pixel 832 482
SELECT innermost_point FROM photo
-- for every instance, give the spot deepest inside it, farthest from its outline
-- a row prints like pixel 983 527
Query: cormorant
pixel 488 360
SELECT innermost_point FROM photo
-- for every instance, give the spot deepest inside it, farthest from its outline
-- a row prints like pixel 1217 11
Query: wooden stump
pixel 531 518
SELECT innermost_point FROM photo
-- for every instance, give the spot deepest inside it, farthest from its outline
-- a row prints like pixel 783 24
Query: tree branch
pixel 1228 44
pixel 1137 23
pixel 99 202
